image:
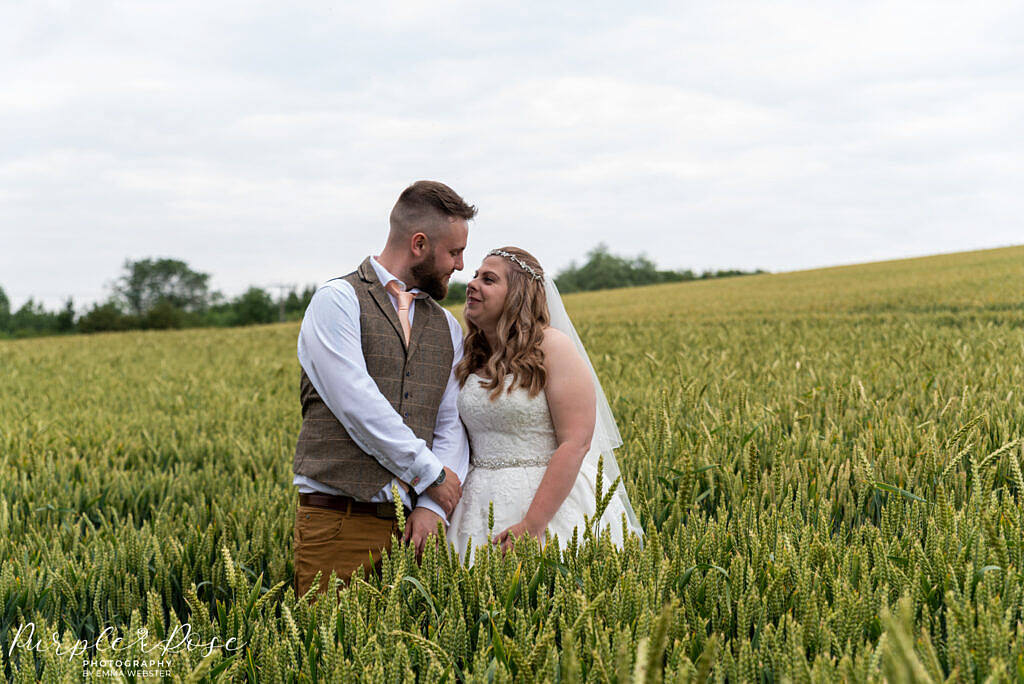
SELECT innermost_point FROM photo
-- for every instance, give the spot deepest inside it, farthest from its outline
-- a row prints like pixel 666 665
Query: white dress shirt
pixel 330 350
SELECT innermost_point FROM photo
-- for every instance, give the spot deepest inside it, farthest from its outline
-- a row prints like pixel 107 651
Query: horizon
pixel 82 307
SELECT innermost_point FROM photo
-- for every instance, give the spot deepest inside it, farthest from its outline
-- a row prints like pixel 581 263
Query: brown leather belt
pixel 384 509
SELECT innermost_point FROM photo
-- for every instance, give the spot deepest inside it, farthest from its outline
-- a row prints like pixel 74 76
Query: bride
pixel 535 413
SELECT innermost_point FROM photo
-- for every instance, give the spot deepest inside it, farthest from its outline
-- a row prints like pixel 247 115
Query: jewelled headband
pixel 517 260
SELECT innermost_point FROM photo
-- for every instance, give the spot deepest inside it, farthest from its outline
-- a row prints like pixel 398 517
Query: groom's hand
pixel 420 524
pixel 448 493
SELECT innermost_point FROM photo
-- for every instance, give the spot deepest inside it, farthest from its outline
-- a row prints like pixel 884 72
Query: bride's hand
pixel 507 538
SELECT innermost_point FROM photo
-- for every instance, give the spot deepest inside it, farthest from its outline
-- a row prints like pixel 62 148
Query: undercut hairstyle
pixel 520 334
pixel 427 207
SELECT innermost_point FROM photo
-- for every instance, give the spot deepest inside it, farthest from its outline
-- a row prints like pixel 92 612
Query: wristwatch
pixel 440 478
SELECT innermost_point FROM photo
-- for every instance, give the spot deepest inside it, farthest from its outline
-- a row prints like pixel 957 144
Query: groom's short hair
pixel 426 206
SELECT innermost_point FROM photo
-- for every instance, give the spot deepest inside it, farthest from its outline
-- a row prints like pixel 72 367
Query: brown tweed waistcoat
pixel 413 379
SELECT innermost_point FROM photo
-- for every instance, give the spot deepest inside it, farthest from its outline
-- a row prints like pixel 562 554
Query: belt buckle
pixel 386 510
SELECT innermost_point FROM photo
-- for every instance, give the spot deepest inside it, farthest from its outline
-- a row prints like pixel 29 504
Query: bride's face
pixel 485 293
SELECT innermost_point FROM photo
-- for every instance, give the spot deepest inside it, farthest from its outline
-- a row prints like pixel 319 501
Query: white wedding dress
pixel 511 440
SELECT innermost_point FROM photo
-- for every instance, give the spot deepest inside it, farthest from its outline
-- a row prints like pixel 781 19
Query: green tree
pixel 292 303
pixel 728 273
pixel 456 293
pixel 255 306
pixel 32 319
pixel 5 311
pixel 604 270
pixel 66 318
pixel 163 315
pixel 147 282
pixel 105 317
pixel 296 302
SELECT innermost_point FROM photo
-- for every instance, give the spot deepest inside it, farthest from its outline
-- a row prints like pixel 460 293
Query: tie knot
pixel 404 298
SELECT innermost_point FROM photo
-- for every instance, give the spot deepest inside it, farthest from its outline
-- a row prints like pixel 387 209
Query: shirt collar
pixel 385 277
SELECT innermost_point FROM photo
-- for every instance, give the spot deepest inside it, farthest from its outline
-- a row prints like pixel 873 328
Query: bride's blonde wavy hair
pixel 520 333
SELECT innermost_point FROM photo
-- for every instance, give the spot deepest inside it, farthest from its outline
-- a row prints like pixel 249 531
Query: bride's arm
pixel 571 401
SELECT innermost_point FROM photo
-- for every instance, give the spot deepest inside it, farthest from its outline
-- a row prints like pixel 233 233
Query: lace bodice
pixel 512 440
pixel 513 430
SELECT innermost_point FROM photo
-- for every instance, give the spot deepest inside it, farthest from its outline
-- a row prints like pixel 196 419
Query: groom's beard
pixel 427 279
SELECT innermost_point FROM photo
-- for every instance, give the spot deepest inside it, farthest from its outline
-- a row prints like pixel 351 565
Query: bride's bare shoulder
pixel 558 348
pixel 567 374
pixel 555 340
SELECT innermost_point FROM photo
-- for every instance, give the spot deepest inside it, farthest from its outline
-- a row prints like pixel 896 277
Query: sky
pixel 265 143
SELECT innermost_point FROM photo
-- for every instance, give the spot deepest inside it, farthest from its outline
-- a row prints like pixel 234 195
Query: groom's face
pixel 444 257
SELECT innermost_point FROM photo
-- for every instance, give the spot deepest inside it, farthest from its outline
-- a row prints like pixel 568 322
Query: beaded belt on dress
pixel 499 465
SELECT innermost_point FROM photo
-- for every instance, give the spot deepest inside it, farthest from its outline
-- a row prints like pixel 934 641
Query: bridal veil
pixel 606 433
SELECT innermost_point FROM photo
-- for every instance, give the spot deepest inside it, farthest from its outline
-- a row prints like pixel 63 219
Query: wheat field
pixel 828 466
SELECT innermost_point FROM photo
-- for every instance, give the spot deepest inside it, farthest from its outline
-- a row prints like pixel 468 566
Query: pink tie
pixel 404 302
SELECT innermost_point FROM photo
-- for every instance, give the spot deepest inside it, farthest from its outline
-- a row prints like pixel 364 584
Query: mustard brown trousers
pixel 341 541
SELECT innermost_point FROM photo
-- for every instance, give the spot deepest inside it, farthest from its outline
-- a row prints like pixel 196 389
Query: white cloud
pixel 266 143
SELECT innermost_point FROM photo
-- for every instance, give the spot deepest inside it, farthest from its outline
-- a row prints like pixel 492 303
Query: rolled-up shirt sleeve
pixel 450 445
pixel 330 351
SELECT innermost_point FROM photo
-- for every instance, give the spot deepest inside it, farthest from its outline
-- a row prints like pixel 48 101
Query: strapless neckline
pixel 512 439
pixel 483 378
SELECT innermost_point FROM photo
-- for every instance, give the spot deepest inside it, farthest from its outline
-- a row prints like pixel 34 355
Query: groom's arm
pixel 331 352
pixel 450 445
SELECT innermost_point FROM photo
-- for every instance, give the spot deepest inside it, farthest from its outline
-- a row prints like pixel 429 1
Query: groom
pixel 379 396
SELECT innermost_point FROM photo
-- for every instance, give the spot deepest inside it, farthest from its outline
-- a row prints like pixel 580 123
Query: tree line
pixel 603 270
pixel 159 294
pixel 155 294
